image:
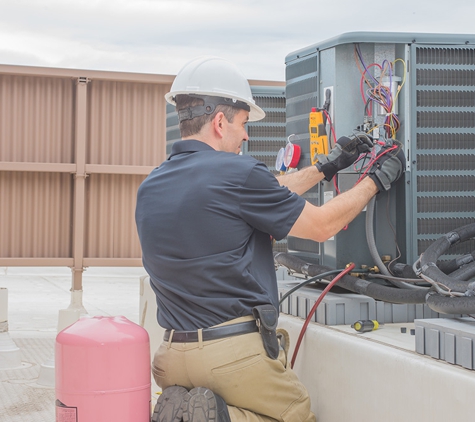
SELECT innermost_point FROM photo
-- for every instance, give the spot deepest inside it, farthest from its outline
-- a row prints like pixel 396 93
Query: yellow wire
pixel 393 127
pixel 403 78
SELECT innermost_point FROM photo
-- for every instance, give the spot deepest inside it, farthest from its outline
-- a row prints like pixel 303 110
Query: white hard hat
pixel 215 77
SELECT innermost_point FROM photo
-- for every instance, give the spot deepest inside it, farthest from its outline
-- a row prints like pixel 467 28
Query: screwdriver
pixel 364 326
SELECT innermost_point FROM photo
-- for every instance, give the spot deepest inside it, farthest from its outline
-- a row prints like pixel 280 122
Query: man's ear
pixel 218 123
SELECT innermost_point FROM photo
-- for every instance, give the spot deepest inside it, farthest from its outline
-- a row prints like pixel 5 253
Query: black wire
pixel 308 281
pixel 368 101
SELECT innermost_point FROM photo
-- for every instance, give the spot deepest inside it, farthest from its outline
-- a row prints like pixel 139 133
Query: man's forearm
pixel 319 223
pixel 301 181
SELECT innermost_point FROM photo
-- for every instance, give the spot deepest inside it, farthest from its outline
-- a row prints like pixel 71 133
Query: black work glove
pixel 343 154
pixel 389 167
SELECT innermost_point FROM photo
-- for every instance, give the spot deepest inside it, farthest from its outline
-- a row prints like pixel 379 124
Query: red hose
pixel 320 298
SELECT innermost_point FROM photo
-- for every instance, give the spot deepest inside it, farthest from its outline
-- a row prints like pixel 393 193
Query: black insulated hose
pixel 463 305
pixel 456 293
pixel 374 252
pixel 451 293
pixel 354 284
pixel 448 267
pixel 465 273
pixel 428 262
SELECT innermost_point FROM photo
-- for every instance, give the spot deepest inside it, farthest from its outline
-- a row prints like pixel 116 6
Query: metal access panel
pixel 435 106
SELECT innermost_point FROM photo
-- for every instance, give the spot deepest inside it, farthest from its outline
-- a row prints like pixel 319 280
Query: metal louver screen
pixel 302 94
pixel 173 128
pixel 267 136
pixel 444 174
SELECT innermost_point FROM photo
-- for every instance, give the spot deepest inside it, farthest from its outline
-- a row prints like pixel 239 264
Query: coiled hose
pixel 454 295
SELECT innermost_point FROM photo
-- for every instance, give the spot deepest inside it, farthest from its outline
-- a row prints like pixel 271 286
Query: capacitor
pixel 364 326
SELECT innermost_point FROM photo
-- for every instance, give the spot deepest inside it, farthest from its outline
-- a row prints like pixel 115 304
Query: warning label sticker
pixel 66 413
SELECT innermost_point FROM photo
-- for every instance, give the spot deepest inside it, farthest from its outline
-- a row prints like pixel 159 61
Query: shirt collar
pixel 190 145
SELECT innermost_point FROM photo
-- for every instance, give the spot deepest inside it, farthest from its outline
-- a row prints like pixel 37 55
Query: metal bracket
pixel 83 80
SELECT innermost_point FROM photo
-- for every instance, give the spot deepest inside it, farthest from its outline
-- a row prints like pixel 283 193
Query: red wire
pixel 372 161
pixel 336 185
pixel 332 129
pixel 320 298
pixel 367 166
pixel 363 79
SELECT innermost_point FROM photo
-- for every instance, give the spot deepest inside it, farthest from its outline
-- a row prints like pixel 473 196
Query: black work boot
pixel 202 405
pixel 169 407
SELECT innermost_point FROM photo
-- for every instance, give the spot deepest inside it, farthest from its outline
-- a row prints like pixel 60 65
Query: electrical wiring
pixel 360 164
pixel 367 101
pixel 445 291
pixel 379 91
pixel 363 171
pixel 329 120
pixel 332 131
pixel 403 77
pixel 360 57
pixel 362 157
pixel 373 160
pixel 335 184
pixel 314 308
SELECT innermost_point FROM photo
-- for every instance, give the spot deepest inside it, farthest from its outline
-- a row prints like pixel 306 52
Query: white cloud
pixel 159 36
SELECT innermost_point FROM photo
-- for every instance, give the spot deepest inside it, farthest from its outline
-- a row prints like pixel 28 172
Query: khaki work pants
pixel 255 387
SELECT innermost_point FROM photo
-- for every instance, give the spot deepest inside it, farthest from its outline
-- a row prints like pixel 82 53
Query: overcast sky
pixel 159 36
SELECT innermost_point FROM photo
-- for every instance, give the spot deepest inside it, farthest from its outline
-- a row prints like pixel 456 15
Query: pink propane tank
pixel 103 371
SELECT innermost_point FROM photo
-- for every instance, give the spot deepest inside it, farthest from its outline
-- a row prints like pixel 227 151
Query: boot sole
pixel 200 406
pixel 169 407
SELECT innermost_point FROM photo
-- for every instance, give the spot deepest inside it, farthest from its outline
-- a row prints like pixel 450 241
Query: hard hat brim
pixel 255 114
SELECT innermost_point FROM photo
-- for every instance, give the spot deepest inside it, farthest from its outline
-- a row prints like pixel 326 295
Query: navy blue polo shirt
pixel 204 219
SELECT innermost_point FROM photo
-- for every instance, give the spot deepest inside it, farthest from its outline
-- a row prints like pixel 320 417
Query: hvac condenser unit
pixel 431 80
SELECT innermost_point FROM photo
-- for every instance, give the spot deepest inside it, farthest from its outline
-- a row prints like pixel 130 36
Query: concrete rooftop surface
pixel 35 297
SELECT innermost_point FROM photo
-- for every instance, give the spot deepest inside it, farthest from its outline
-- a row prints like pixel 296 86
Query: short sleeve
pixel 267 206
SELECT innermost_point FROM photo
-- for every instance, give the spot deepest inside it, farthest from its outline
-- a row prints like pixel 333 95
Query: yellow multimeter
pixel 318 135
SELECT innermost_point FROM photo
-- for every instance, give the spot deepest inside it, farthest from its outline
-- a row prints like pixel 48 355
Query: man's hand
pixel 389 166
pixel 345 152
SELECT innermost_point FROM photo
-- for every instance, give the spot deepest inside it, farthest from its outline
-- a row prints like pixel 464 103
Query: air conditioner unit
pixel 432 77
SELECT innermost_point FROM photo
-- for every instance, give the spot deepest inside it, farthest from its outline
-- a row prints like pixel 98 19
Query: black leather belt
pixel 213 333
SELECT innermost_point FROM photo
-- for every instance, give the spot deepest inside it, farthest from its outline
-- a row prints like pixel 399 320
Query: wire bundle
pixel 378 91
